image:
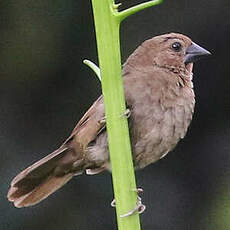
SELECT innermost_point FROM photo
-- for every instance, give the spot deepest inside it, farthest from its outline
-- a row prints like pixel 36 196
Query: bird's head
pixel 173 51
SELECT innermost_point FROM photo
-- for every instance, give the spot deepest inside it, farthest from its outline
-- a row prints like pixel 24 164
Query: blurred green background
pixel 45 89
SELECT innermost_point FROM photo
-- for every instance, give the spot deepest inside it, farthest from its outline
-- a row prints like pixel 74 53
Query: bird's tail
pixel 39 180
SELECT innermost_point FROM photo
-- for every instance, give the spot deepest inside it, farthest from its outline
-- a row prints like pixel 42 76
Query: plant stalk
pixel 107 21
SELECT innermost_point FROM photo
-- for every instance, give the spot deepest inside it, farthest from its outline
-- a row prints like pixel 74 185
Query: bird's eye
pixel 176 46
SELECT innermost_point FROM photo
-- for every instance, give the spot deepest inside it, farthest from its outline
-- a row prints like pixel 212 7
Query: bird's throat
pixel 189 67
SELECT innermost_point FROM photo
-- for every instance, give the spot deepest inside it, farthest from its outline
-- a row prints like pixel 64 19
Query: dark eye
pixel 176 46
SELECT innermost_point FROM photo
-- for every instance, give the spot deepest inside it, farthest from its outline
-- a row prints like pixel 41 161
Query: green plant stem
pixel 108 44
pixel 107 22
pixel 125 13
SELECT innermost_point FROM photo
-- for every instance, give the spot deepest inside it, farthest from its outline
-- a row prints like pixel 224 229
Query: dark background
pixel 45 89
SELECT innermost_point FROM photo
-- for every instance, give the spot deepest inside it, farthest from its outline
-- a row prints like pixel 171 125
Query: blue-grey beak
pixel 194 52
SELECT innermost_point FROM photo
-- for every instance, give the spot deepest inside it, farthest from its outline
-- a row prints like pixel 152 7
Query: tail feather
pixel 40 168
pixel 43 190
pixel 38 181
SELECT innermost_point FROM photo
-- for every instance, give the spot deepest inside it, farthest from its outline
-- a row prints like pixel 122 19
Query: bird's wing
pixel 47 175
pixel 90 125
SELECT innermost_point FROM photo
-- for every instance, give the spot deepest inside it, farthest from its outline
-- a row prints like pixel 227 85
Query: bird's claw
pixel 140 208
pixel 138 190
pixel 127 113
pixel 113 203
pixel 103 121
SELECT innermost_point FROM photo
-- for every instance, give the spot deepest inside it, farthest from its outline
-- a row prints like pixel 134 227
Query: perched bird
pixel 159 95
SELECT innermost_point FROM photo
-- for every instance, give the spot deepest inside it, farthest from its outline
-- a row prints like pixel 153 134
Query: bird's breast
pixel 161 112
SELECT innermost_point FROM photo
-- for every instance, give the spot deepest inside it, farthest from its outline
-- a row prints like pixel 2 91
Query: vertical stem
pixel 108 44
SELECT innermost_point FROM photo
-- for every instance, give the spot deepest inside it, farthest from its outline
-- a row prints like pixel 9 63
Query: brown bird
pixel 159 95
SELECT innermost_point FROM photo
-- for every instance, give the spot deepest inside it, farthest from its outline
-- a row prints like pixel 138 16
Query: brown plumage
pixel 159 94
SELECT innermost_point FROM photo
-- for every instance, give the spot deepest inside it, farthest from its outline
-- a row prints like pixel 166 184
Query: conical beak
pixel 194 52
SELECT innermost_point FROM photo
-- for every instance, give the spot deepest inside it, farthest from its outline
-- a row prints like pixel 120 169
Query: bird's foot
pixel 140 208
pixel 127 113
pixel 103 121
pixel 138 190
pixel 113 203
